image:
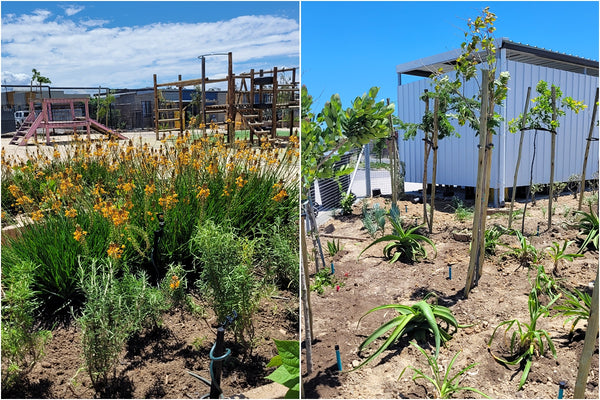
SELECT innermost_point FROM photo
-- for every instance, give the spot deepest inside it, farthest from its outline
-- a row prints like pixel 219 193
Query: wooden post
pixel 87 118
pixel 589 344
pixel 587 151
pixel 231 101
pixel 480 196
pixel 251 104
pixel 181 116
pixel 552 156
pixel 274 105
pixel 291 100
pixel 156 107
pixel 514 188
pixel 434 145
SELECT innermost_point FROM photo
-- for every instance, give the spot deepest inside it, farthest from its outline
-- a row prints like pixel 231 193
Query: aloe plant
pixel 444 384
pixel 404 243
pixel 416 321
pixel 588 226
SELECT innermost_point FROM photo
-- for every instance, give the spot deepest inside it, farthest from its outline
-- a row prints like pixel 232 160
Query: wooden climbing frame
pixel 254 99
pixel 45 120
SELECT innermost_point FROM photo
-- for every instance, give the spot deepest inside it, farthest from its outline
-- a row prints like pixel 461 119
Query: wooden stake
pixel 156 127
pixel 587 151
pixel 552 156
pixel 588 345
pixel 426 149
pixel 434 145
pixel 514 188
pixel 305 294
pixel 480 212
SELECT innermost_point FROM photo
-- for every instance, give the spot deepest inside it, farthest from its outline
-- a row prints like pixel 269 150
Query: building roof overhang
pixel 515 51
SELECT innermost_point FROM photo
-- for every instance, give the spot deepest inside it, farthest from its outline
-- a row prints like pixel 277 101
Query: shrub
pixel 22 346
pixel 227 281
pixel 114 310
pixel 277 251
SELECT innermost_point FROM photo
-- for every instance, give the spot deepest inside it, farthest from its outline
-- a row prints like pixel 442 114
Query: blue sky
pixel 347 47
pixel 121 44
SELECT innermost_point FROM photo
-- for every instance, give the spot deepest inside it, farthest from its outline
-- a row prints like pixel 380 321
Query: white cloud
pixel 85 53
pixel 72 10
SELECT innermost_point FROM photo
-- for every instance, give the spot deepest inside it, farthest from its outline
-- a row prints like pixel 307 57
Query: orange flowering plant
pixel 100 199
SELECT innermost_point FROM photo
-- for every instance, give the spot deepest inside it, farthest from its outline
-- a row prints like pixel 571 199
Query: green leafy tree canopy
pixel 334 131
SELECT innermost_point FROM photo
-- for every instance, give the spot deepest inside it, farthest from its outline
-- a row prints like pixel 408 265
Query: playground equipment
pixel 258 101
pixel 71 113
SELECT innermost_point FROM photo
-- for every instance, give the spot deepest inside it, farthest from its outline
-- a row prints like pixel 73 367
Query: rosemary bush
pixel 227 280
pixel 22 345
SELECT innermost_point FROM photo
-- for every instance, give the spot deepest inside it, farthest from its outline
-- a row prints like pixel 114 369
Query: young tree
pixel 478 56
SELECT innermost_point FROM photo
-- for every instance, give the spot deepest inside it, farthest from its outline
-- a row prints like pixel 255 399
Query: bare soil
pixel 154 363
pixel 501 294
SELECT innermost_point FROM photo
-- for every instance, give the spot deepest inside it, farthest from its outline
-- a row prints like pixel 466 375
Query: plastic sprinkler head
pixel 561 388
pixel 405 208
pixel 332 268
pixel 337 288
pixel 538 230
pixel 338 358
pixel 450 272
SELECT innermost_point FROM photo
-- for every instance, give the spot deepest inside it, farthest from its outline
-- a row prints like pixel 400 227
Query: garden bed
pixel 154 363
pixel 369 281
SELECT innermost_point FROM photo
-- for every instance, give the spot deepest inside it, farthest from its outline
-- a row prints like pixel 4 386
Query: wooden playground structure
pixel 59 114
pixel 258 101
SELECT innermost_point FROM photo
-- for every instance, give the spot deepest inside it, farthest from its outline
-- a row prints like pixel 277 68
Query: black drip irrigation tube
pixel 218 354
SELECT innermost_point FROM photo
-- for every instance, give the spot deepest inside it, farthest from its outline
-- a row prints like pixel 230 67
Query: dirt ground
pixel 154 364
pixel 501 294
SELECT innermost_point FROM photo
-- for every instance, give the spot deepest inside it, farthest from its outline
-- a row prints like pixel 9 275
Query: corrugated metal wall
pixel 457 157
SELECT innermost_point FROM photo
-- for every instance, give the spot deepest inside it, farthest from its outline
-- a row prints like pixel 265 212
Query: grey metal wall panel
pixel 457 157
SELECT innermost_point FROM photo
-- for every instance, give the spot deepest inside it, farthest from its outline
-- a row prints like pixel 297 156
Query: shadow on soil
pixel 330 376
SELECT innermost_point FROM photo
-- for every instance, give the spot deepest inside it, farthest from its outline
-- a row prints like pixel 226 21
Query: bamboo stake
pixel 552 156
pixel 514 188
pixel 587 151
pixel 588 345
pixel 479 212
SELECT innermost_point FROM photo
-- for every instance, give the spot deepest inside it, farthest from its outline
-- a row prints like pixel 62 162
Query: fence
pixel 371 176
